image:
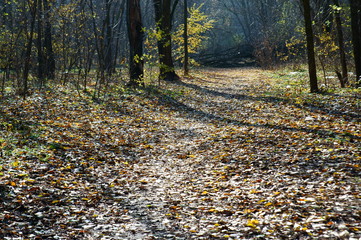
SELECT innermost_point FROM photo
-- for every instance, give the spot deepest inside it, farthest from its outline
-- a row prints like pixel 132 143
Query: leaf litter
pixel 226 154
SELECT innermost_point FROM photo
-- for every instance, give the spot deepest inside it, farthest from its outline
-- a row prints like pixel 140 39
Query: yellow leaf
pixel 253 191
pixel 247 211
pixel 268 204
pixel 15 164
pixel 148 146
pixel 55 201
pixel 85 199
pixel 13 184
pixel 252 223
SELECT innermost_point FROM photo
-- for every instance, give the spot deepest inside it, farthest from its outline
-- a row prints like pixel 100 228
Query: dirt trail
pixel 229 162
pixel 217 156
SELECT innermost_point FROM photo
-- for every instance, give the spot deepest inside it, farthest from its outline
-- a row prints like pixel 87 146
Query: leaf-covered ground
pixel 226 154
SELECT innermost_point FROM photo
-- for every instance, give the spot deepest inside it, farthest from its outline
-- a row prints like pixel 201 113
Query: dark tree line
pixel 43 40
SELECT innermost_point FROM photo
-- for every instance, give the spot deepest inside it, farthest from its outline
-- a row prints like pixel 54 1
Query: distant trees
pixel 265 25
pixel 41 40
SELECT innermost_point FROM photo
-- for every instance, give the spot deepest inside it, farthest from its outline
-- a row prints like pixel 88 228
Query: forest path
pixel 224 154
pixel 226 160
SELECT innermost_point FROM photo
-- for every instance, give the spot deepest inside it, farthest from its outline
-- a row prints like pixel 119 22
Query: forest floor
pixel 225 154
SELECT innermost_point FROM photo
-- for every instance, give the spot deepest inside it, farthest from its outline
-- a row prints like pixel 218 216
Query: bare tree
pixel 343 75
pixel 32 5
pixel 48 43
pixel 310 46
pixel 185 19
pixel 135 34
pixel 356 36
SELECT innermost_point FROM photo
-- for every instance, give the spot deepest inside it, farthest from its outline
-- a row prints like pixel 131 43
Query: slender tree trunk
pixel 186 58
pixel 33 10
pixel 344 76
pixel 108 39
pixel 310 46
pixel 356 38
pixel 39 42
pixel 163 20
pixel 48 44
pixel 117 32
pixel 135 34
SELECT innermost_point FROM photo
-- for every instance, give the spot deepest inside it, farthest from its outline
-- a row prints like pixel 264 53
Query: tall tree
pixel 163 20
pixel 48 43
pixel 343 76
pixel 356 36
pixel 310 46
pixel 46 61
pixel 32 5
pixel 39 41
pixel 107 36
pixel 185 19
pixel 135 34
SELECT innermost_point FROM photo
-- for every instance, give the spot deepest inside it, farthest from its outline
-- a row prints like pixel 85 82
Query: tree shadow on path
pixel 306 106
pixel 204 116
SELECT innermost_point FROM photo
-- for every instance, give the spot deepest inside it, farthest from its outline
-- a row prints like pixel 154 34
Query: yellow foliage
pixel 198 24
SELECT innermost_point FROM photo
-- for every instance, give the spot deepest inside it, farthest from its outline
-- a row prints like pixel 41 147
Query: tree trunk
pixel 24 88
pixel 310 46
pixel 48 44
pixel 356 38
pixel 344 77
pixel 135 34
pixel 117 32
pixel 163 19
pixel 108 58
pixel 39 42
pixel 186 58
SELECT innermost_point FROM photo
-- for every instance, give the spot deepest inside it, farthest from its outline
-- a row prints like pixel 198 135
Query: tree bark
pixel 48 43
pixel 135 34
pixel 39 42
pixel 186 58
pixel 356 38
pixel 310 46
pixel 343 62
pixel 163 20
pixel 25 88
pixel 108 63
